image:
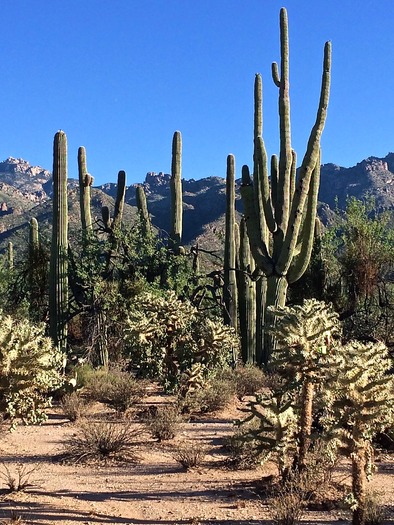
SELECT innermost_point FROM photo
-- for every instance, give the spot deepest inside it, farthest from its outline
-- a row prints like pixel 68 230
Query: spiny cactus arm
pixel 230 290
pixel 85 182
pixel 257 243
pixel 274 177
pixel 307 167
pixel 143 211
pixel 285 157
pixel 264 185
pixel 106 218
pixel 176 189
pixel 301 261
pixel 293 175
pixel 33 232
pixel 119 203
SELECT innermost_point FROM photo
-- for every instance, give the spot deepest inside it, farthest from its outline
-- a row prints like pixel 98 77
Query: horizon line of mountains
pixel 26 192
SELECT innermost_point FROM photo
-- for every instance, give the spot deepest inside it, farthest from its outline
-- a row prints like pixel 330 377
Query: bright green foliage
pixel 167 336
pixel 29 368
pixel 280 216
pixel 360 403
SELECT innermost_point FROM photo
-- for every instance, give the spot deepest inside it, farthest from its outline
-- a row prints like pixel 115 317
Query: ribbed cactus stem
pixel 58 292
pixel 33 234
pixel 119 202
pixel 143 211
pixel 85 183
pixel 286 208
pixel 176 191
pixel 230 285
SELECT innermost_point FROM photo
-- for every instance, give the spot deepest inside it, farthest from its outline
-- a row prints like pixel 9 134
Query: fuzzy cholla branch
pixel 29 368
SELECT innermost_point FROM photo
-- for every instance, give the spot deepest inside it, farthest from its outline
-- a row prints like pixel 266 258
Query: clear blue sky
pixel 120 76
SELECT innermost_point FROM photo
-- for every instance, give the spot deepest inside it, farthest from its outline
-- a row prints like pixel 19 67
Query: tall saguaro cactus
pixel 176 191
pixel 58 277
pixel 230 284
pixel 280 216
pixel 85 183
pixel 146 226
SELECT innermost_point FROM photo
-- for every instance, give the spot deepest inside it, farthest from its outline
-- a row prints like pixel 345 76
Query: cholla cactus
pixel 167 336
pixel 360 403
pixel 303 355
pixel 29 368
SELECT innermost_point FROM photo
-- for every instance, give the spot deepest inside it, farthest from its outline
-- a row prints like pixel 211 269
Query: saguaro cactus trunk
pixel 280 216
pixel 176 191
pixel 85 183
pixel 58 279
pixel 230 284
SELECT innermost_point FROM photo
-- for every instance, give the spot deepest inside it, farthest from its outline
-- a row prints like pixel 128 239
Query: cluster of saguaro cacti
pixel 280 215
pixel 58 276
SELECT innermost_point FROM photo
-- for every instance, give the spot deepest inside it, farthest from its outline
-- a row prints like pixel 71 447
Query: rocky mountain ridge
pixel 26 191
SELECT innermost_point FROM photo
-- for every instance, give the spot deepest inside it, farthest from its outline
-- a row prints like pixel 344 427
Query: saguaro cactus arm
pixel 176 190
pixel 85 183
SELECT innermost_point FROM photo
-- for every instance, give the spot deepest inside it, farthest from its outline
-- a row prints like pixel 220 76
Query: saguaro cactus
pixel 280 217
pixel 230 285
pixel 58 278
pixel 85 183
pixel 176 191
pixel 143 211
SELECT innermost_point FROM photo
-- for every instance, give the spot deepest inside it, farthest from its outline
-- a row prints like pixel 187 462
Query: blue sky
pixel 120 76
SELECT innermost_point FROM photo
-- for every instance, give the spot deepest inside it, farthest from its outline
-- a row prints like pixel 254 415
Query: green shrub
pixel 210 397
pixel 164 422
pixel 29 369
pixel 74 406
pixel 117 389
pixel 249 379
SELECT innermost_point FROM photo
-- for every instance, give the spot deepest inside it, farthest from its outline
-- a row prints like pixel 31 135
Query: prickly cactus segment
pixel 143 211
pixel 230 285
pixel 85 183
pixel 58 293
pixel 176 191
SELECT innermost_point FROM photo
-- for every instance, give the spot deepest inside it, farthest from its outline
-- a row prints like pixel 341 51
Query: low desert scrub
pixel 374 510
pixel 248 379
pixel 14 519
pixel 17 479
pixel 211 397
pixel 189 454
pixel 74 406
pixel 164 422
pixel 101 440
pixel 289 503
pixel 117 389
pixel 243 449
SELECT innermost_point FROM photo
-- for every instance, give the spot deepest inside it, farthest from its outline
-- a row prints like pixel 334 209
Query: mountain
pixel 26 191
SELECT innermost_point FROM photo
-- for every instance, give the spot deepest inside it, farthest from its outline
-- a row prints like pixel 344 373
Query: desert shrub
pixel 374 510
pixel 164 422
pixel 289 503
pixel 189 454
pixel 74 406
pixel 101 440
pixel 166 337
pixel 117 389
pixel 249 379
pixel 212 396
pixel 17 479
pixel 29 369
pixel 243 448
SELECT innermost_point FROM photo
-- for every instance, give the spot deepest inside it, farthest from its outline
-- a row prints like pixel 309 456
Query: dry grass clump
pixel 189 454
pixel 117 389
pixel 19 478
pixel 74 406
pixel 248 379
pixel 374 510
pixel 163 423
pixel 102 440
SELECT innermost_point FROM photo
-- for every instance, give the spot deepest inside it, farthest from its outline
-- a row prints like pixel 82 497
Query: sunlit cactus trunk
pixel 143 213
pixel 176 192
pixel 58 278
pixel 85 183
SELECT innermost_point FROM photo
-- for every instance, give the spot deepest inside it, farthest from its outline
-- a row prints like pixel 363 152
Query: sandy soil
pixel 156 490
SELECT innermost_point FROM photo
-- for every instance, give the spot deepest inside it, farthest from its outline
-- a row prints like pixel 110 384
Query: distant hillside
pixel 26 191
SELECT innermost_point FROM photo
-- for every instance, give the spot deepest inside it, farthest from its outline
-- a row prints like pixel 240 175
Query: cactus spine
pixel 280 220
pixel 58 279
pixel 176 191
pixel 85 183
pixel 230 285
pixel 146 226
